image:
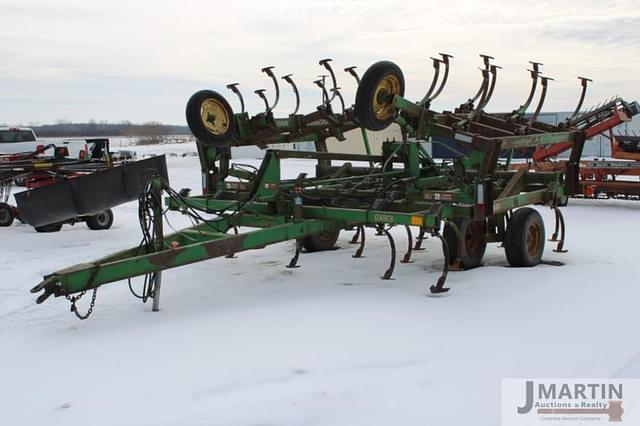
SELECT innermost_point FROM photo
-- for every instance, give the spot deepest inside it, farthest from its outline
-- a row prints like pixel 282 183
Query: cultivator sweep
pixel 465 203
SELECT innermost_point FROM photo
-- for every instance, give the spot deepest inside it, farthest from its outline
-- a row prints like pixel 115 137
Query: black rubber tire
pixel 7 214
pixel 54 227
pixel 364 110
pixel 100 221
pixel 525 239
pixel 197 127
pixel 472 251
pixel 321 242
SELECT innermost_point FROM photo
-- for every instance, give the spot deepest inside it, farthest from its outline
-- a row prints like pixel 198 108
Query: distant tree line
pixel 93 128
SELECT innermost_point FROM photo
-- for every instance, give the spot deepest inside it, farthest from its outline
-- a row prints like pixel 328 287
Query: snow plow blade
pixel 88 195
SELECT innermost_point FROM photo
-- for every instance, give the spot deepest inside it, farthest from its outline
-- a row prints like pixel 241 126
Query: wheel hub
pixel 215 116
pixel 387 88
pixel 534 239
pixel 474 238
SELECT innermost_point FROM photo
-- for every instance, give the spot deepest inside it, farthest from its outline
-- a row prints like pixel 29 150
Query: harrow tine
pixel 482 89
pixel 419 239
pixel 407 256
pixel 234 88
pixel 439 286
pixel 294 260
pixel 352 70
pixel 434 79
pixel 543 82
pixel 535 73
pixel 356 236
pixel 561 227
pixel 326 63
pixel 445 61
pixel 289 79
pixel 392 245
pixel 360 250
pixel 486 60
pixel 337 94
pixel 494 76
pixel 269 72
pixel 320 84
pixel 481 93
pixel 260 92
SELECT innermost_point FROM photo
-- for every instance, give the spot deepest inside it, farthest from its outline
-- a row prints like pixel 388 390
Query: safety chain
pixel 74 308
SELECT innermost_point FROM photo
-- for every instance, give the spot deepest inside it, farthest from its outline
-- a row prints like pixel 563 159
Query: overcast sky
pixel 141 60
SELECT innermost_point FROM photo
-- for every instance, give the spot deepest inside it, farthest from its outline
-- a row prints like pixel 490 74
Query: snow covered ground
pixel 246 341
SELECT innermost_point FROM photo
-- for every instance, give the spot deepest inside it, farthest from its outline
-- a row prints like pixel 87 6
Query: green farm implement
pixel 466 203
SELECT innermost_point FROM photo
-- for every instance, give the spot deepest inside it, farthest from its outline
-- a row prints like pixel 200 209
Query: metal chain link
pixel 74 308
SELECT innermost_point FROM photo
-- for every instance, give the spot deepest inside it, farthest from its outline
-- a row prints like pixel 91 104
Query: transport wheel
pixel 102 220
pixel 524 240
pixel 54 227
pixel 320 242
pixel 474 242
pixel 374 98
pixel 210 118
pixel 6 214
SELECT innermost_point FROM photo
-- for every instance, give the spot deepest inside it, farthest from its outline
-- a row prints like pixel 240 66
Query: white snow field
pixel 246 341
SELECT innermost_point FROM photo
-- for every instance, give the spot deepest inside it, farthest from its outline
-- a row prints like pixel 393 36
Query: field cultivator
pixel 465 203
pixel 62 190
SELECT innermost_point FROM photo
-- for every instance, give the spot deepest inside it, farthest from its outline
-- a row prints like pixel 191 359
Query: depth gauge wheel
pixel 7 214
pixel 321 242
pixel 100 221
pixel 474 242
pixel 524 240
pixel 210 118
pixel 374 99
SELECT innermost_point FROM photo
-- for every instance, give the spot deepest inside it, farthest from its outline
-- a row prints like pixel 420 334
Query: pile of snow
pixel 246 341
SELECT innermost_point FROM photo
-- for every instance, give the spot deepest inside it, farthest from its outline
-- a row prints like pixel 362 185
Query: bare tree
pixel 151 133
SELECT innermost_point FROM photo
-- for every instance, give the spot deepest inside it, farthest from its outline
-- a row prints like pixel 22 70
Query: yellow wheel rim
pixel 215 117
pixel 382 98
